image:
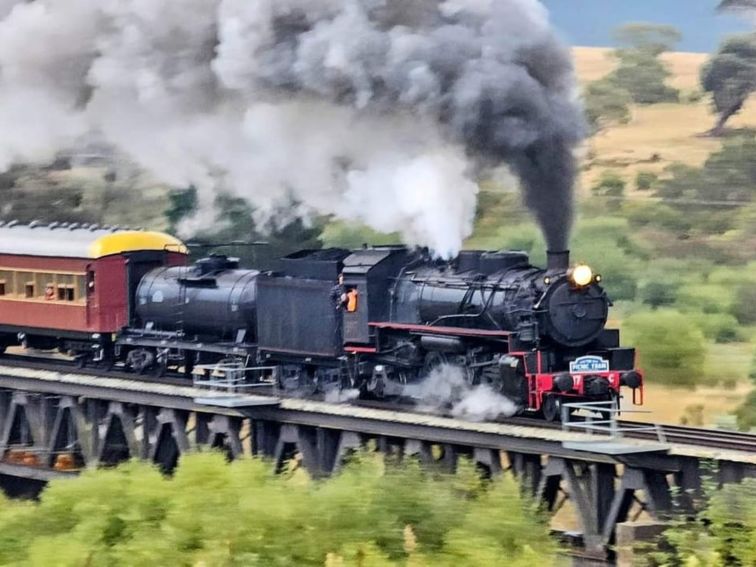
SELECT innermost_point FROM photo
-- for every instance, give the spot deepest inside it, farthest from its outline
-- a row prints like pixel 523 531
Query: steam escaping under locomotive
pixel 374 320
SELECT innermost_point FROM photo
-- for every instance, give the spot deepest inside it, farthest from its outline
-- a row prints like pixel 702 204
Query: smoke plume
pixel 446 387
pixel 378 111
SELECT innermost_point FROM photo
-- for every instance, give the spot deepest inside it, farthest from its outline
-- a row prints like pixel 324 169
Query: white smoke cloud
pixel 378 111
pixel 447 387
pixel 339 396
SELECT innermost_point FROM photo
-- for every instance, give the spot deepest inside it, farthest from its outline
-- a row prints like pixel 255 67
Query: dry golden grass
pixel 657 135
pixel 669 405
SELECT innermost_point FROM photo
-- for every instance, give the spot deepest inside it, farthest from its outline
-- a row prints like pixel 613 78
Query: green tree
pixel 215 513
pixel 648 37
pixel 645 180
pixel 670 347
pixel 730 77
pixel 606 104
pixel 639 70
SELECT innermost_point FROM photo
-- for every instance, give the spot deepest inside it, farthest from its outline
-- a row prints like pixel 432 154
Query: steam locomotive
pixel 374 319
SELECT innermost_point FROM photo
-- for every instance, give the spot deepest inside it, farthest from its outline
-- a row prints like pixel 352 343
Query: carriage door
pixel 92 305
pixel 137 266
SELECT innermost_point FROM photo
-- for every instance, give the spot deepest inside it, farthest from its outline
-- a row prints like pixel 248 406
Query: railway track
pixel 703 437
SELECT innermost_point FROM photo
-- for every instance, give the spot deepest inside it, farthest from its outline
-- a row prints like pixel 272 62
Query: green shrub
pixel 658 293
pixel 706 298
pixel 657 215
pixel 610 184
pixel 214 513
pixel 670 346
pixel 719 327
pixel 645 180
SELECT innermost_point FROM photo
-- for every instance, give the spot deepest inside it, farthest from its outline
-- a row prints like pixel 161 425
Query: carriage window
pixel 43 286
pixel 81 288
pixel 65 287
pixel 6 282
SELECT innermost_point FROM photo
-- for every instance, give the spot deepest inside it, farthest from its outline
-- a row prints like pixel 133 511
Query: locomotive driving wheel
pixel 552 407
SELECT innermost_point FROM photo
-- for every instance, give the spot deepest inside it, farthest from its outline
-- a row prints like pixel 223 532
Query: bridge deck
pixel 122 390
pixel 345 416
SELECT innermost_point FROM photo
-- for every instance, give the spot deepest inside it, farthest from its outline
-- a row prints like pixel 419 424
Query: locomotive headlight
pixel 581 275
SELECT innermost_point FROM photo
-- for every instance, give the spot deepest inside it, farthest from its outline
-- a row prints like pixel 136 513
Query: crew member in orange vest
pixel 351 300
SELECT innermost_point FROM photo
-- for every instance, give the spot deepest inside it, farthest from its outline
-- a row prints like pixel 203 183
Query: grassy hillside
pixel 639 256
pixel 658 134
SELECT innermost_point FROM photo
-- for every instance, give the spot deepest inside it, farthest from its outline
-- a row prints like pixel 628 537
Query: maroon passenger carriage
pixel 71 287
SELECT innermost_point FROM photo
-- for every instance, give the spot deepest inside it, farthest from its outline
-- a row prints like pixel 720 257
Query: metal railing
pixel 233 377
pixel 606 423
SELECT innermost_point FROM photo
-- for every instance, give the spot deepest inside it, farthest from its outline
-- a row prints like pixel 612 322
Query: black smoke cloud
pixel 378 111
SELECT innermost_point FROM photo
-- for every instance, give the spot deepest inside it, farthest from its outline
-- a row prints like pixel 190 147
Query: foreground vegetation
pixel 371 514
pixel 215 513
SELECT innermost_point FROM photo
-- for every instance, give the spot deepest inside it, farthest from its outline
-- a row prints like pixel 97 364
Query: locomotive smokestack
pixel 557 261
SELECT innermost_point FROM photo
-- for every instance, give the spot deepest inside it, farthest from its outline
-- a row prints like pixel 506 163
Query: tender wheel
pixel 552 408
pixel 139 360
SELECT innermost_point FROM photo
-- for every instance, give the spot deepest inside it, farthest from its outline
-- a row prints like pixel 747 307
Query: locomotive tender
pixel 374 319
